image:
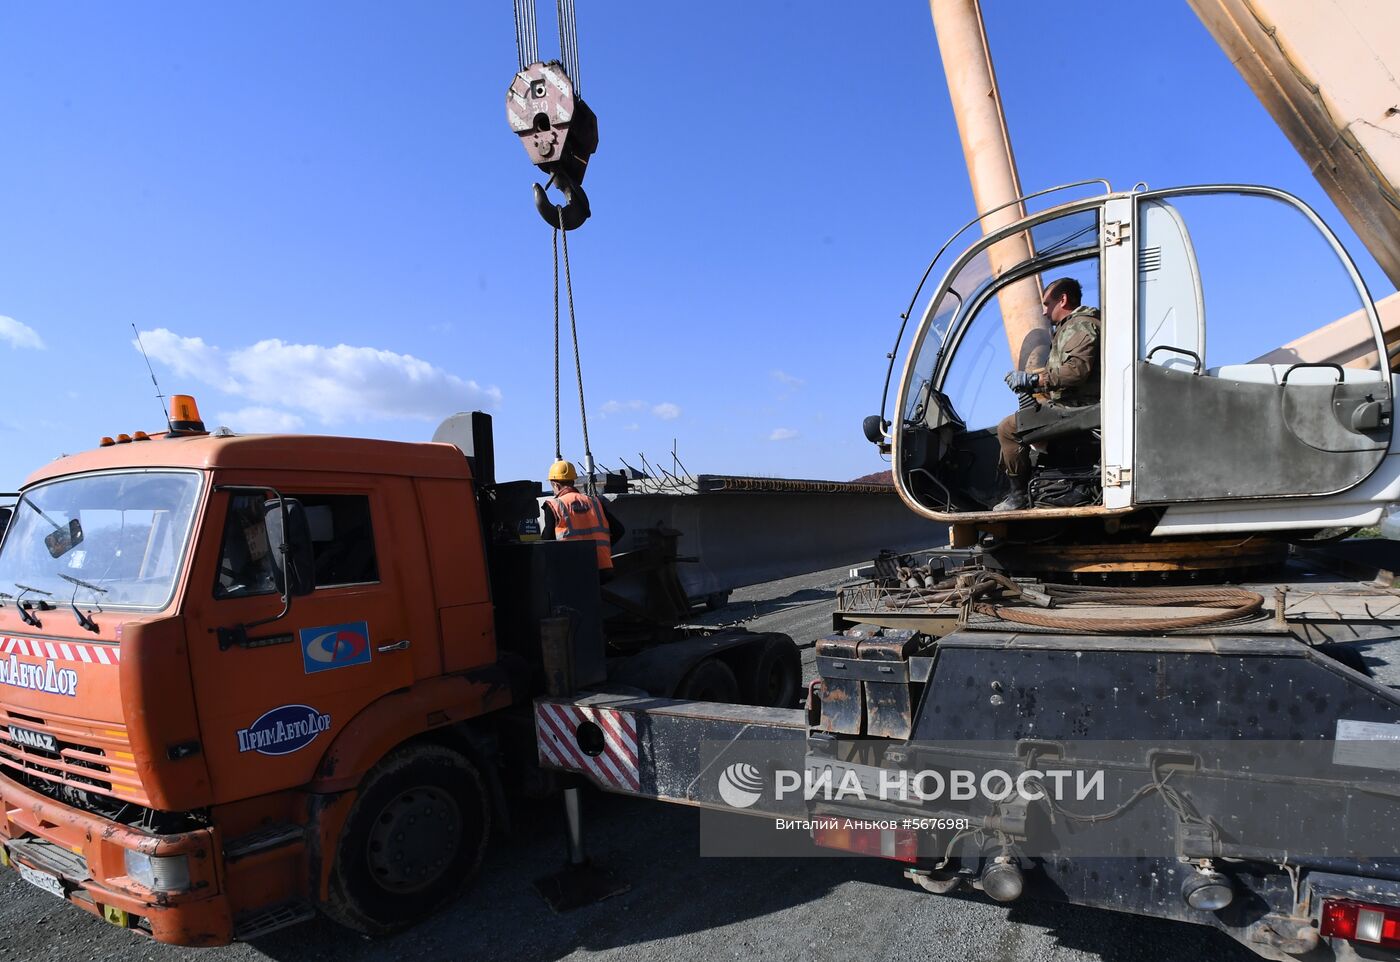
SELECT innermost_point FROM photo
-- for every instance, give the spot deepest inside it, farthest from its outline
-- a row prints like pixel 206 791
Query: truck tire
pixel 711 680
pixel 770 674
pixel 714 601
pixel 414 840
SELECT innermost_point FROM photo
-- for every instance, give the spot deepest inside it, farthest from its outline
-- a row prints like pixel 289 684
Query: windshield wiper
pixel 84 620
pixel 28 617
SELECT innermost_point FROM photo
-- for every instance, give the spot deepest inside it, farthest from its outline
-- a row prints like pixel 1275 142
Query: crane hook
pixel 573 212
pixel 559 133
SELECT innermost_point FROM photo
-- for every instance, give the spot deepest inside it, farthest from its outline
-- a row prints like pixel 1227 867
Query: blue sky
pixel 318 211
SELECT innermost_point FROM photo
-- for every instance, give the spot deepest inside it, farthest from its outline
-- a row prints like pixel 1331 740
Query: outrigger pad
pixel 575 886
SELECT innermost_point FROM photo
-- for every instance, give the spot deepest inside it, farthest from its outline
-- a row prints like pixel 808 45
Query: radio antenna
pixel 165 412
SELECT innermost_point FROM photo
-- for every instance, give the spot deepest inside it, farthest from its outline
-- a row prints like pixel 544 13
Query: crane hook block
pixel 559 132
pixel 571 214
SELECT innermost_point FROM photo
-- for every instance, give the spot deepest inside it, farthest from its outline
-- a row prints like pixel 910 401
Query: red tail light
pixel 1361 922
pixel 901 845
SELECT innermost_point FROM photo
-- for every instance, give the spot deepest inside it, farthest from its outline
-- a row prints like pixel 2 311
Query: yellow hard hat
pixel 562 471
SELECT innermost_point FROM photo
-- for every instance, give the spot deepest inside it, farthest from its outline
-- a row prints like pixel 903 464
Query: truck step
pixel 271 836
pixel 255 925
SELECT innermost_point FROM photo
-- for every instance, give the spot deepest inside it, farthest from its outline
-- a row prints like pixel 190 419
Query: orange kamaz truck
pixel 244 679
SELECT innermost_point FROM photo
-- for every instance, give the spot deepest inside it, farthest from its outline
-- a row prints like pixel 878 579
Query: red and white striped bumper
pixel 611 761
pixel 674 751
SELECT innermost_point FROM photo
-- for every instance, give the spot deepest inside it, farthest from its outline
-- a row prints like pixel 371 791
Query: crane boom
pixel 1326 70
pixel 991 166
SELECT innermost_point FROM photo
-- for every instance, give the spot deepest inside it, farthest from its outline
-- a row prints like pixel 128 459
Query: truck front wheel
pixel 414 840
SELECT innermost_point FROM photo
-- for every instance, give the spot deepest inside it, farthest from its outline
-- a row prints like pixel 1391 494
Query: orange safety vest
pixel 576 515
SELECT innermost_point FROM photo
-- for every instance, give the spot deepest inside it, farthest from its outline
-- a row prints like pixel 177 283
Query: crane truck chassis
pixel 1245 771
pixel 1243 777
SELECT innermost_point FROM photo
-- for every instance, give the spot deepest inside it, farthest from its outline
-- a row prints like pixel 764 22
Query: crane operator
pixel 1070 378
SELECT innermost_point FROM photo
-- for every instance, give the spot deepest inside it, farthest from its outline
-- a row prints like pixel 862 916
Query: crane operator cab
pixel 1240 380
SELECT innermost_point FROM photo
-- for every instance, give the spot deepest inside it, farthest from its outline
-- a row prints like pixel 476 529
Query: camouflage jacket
pixel 1071 376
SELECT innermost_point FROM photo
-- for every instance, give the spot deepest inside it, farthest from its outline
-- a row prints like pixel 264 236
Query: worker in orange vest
pixel 573 514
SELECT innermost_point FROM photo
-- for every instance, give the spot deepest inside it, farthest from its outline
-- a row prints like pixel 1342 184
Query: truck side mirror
pixel 289 544
pixel 874 428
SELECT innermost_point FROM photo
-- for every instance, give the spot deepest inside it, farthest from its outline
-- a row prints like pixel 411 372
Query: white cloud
pixel 783 377
pixel 332 384
pixel 666 411
pixel 187 356
pixel 19 335
pixel 782 434
pixel 259 420
pixel 617 407
pixel 631 427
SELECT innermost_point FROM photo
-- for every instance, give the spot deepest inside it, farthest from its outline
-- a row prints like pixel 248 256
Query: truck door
pixel 1261 371
pixel 269 708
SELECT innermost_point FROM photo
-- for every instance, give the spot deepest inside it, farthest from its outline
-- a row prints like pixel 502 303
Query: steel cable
pixel 1114 625
pixel 558 447
pixel 578 360
pixel 568 41
pixel 1164 595
pixel 526 40
pixel 519 36
pixel 534 35
pixel 1227 604
pixel 1230 603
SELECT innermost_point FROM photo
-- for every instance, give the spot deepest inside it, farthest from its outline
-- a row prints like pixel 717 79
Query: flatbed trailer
pixel 1244 776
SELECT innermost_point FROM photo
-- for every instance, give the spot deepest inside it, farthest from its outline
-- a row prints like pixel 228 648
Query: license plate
pixel 43 880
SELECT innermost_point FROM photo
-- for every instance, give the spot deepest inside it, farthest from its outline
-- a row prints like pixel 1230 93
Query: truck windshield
pixel 119 538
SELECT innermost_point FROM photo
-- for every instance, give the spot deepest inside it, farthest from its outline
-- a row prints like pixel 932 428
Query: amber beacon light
pixel 184 415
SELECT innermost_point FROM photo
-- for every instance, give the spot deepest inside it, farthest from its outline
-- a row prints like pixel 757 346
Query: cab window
pixel 1261 371
pixel 972 379
pixel 342 537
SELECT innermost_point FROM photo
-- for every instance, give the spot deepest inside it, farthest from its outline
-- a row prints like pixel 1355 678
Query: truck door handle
pixel 394 646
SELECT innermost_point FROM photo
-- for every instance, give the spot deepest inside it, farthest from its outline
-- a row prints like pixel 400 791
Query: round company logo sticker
pixel 740 785
pixel 338 645
pixel 335 646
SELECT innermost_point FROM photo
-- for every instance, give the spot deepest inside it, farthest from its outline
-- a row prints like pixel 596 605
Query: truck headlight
pixel 159 873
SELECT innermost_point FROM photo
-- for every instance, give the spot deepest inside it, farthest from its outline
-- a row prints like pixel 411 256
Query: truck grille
pixel 84 757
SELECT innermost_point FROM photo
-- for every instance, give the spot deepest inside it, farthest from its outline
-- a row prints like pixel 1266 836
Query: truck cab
pixel 1243 371
pixel 184 734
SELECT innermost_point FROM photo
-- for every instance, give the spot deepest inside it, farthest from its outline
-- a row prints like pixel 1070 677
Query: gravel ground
pixel 680 905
